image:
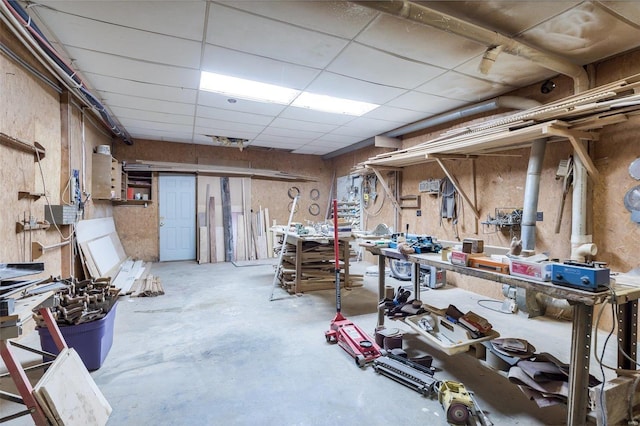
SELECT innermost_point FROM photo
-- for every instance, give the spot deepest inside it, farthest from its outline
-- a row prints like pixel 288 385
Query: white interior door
pixel 177 205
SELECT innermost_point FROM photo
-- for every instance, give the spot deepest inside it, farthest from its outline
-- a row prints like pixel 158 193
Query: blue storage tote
pixel 92 340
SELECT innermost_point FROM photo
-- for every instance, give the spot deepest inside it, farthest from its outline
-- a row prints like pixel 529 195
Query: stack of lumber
pixel 148 286
pixel 581 115
pixel 316 270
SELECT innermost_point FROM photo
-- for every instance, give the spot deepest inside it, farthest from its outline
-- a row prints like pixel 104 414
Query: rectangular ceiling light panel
pixel 246 89
pixel 330 104
pixel 263 92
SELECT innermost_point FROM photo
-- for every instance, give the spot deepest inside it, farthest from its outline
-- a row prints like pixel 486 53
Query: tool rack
pixel 582 324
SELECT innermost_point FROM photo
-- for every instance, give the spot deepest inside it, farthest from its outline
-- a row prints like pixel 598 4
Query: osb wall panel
pixel 137 227
pixel 615 234
pixel 29 111
pixel 264 193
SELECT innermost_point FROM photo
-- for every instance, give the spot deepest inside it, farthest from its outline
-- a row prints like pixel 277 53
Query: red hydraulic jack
pixel 348 335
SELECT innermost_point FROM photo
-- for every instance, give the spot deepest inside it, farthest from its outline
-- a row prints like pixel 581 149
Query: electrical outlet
pixel 418 212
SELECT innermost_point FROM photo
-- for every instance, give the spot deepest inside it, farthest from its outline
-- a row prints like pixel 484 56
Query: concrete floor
pixel 215 351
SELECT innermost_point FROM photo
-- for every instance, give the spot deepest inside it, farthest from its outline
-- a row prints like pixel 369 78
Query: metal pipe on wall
pixel 531 194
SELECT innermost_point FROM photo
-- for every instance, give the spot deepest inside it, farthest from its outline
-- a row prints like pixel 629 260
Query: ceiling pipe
pixel 510 102
pixel 492 39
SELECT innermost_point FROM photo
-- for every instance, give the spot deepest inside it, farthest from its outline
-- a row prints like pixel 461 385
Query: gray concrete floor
pixel 215 351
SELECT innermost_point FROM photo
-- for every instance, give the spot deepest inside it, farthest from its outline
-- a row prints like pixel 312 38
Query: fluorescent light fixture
pixel 330 104
pixel 263 92
pixel 246 89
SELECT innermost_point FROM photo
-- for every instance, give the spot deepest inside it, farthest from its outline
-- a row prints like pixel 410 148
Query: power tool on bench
pixel 590 276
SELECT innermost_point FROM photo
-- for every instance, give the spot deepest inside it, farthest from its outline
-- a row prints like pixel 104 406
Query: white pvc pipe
pixel 531 193
pixel 579 235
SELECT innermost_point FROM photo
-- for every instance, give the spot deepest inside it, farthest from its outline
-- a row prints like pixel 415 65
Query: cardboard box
pixel 488 264
pixel 538 271
pixel 472 245
pixel 461 258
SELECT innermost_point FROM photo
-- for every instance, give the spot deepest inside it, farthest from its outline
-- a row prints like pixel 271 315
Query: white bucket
pixel 103 149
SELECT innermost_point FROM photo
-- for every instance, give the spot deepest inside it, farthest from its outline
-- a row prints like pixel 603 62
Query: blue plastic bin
pixel 92 340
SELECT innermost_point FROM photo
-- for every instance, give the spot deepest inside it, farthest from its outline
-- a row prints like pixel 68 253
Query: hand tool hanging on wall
pixel 564 172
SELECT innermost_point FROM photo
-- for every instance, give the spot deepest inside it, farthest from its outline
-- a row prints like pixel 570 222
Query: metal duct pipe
pixel 511 102
pixel 531 192
pixel 579 236
pixel 492 39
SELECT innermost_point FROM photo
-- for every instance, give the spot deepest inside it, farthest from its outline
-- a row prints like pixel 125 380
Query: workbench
pixel 583 305
pixel 308 263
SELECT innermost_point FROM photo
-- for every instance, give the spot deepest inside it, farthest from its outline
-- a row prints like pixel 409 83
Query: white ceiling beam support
pixel 456 184
pixel 492 39
pixel 386 188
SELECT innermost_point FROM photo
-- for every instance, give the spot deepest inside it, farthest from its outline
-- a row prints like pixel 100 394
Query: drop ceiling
pixel 142 60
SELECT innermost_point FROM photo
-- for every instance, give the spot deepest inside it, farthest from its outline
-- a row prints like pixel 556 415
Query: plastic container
pixel 92 340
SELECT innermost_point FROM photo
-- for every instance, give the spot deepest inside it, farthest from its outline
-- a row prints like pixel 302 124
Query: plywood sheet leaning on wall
pixel 104 255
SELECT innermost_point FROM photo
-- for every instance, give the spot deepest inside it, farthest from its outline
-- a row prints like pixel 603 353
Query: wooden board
pixel 212 229
pixel 203 245
pixel 104 254
pixel 70 394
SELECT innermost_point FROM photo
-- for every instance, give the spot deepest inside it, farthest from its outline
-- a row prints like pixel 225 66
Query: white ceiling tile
pixel 141 89
pixel 114 66
pixel 459 86
pixel 344 19
pixel 364 126
pixel 286 123
pixel 364 63
pixel 151 116
pixel 419 42
pixel 291 133
pixel 231 115
pixel 157 126
pixel 215 100
pixel 208 123
pixel 304 114
pixel 116 40
pixel 398 115
pixel 272 39
pixel 423 102
pixel 183 19
pixel 340 86
pixel 255 67
pixel 277 144
pixel 337 139
pixel 133 102
pixel 585 34
pixel 509 17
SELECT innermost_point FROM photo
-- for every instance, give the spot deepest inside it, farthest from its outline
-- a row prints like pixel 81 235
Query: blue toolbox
pixel 585 276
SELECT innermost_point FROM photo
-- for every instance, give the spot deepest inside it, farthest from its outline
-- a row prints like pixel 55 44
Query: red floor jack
pixel 349 336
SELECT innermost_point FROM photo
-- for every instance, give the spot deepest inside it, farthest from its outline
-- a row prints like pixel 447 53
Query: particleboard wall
pixel 33 111
pixel 269 194
pixel 29 111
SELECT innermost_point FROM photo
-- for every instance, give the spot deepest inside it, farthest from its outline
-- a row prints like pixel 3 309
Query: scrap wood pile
pixel 82 301
pixel 317 268
pixel 148 286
